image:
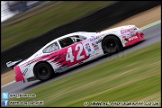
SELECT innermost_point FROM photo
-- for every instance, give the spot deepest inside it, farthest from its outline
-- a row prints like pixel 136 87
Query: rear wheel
pixel 111 45
pixel 43 71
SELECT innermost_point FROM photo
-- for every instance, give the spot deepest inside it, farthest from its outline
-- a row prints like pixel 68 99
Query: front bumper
pixel 139 36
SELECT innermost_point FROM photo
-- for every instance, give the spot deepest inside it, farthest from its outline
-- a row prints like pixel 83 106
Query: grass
pixel 44 19
pixel 132 77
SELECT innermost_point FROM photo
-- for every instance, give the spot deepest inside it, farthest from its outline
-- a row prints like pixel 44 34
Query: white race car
pixel 74 49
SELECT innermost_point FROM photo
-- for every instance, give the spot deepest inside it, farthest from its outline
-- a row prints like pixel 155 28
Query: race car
pixel 74 49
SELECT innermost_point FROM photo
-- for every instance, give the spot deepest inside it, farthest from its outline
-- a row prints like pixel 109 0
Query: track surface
pixel 152 35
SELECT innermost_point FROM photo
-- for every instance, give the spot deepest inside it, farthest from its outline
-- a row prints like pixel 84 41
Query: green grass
pixel 58 14
pixel 132 77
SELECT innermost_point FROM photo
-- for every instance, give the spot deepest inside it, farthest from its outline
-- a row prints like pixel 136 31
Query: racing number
pixel 70 55
pixel 79 56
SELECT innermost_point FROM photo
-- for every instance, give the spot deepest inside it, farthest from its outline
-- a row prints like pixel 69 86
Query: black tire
pixel 43 71
pixel 111 45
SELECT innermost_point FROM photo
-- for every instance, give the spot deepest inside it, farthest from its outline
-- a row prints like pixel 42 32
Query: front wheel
pixel 111 45
pixel 43 71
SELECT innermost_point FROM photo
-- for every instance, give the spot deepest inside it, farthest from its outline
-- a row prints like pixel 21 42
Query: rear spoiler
pixel 12 64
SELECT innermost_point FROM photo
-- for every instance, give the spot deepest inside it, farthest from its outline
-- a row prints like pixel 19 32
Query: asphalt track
pixel 152 35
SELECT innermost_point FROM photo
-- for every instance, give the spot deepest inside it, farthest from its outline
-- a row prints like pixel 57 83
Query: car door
pixel 73 52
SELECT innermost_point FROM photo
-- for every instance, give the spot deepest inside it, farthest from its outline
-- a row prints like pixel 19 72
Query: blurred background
pixel 11 8
pixel 18 17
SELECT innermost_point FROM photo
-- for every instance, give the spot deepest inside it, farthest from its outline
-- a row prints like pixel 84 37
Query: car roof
pixel 87 34
pixel 77 33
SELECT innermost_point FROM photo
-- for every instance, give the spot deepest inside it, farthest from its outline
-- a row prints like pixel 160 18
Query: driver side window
pixel 66 42
pixel 71 40
pixel 77 38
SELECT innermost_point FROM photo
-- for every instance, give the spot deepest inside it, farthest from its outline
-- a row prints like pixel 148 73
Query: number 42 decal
pixel 70 56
